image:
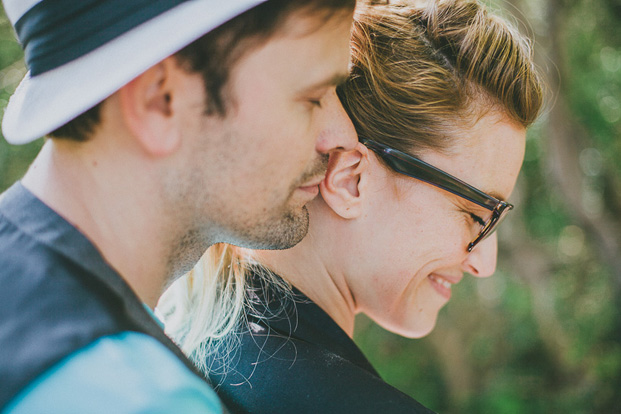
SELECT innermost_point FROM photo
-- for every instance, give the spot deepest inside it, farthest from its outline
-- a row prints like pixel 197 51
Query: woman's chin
pixel 419 333
pixel 416 329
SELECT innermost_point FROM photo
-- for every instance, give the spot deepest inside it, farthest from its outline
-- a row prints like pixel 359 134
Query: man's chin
pixel 275 234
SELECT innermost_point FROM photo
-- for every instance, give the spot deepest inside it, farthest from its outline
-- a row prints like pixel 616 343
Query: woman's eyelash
pixel 477 219
pixel 315 102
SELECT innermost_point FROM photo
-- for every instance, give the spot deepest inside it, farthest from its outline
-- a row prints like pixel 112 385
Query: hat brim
pixel 45 102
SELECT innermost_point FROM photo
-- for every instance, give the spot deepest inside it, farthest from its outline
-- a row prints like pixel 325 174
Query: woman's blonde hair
pixel 420 74
pixel 204 308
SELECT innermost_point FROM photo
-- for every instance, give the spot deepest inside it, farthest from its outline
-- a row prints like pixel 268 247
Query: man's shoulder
pixel 49 304
pixel 22 254
pixel 45 314
pixel 21 251
pixel 124 373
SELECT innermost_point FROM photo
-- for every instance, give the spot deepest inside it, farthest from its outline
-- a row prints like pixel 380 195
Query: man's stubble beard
pixel 282 230
pixel 276 234
pixel 286 228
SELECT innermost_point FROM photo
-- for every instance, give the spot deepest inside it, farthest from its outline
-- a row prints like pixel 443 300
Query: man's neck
pixel 112 212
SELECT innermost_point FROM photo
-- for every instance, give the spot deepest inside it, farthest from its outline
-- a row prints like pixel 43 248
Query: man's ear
pixel 147 108
pixel 344 186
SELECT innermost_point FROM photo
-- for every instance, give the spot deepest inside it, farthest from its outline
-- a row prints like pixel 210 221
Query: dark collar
pixel 293 314
pixel 34 218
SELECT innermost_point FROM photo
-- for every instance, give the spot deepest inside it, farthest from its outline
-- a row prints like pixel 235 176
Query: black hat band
pixel 55 32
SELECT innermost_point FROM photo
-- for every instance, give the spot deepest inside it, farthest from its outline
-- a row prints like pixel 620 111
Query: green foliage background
pixel 543 335
pixel 13 160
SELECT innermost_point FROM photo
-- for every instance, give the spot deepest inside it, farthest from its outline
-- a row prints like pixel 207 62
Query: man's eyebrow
pixel 336 80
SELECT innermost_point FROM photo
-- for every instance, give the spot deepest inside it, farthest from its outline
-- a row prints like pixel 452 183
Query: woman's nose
pixel 481 261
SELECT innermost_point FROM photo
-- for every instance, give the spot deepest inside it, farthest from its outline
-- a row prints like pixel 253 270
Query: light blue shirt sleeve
pixel 125 373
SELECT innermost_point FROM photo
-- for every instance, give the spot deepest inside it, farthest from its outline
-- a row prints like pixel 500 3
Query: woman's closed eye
pixel 477 219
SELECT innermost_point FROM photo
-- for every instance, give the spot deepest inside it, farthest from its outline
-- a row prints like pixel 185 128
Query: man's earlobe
pixel 344 185
pixel 146 106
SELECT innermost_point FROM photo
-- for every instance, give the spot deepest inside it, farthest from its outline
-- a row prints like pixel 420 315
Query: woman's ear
pixel 344 185
pixel 146 106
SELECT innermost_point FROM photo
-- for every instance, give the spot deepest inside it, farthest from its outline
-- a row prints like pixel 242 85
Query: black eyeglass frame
pixel 416 168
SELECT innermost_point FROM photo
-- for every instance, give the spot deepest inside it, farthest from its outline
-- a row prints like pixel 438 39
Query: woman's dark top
pixel 293 358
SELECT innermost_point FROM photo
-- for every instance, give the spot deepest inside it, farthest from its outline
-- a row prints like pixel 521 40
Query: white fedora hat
pixel 79 52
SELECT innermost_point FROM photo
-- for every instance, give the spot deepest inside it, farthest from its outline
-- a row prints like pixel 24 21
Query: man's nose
pixel 338 132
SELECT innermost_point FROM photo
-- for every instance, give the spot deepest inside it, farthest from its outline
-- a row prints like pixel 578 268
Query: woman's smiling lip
pixel 443 284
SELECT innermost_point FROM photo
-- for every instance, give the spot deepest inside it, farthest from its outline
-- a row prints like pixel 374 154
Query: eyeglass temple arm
pixel 428 173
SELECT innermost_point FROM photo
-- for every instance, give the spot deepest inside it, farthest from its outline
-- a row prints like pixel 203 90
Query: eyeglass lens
pixel 498 215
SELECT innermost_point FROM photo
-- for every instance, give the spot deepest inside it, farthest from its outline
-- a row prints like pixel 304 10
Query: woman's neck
pixel 307 267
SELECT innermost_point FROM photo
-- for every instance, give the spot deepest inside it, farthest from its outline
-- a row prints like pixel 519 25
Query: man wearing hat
pixel 172 125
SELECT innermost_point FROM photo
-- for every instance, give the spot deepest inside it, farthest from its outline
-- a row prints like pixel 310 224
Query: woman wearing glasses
pixel 441 97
